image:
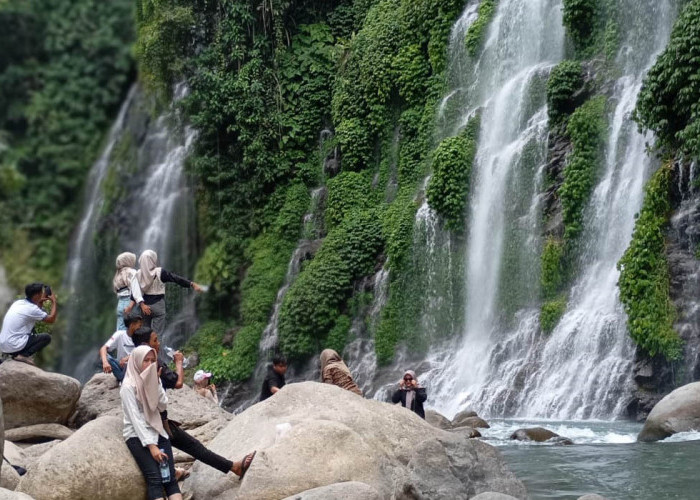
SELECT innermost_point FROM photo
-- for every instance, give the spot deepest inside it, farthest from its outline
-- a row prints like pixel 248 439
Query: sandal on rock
pixel 181 474
pixel 24 359
pixel 248 459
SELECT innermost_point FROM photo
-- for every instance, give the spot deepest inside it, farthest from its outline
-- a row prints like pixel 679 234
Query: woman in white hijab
pixel 122 285
pixel 151 280
pixel 143 398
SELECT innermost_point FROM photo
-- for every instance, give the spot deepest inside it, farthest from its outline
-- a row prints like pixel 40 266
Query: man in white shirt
pixel 122 342
pixel 17 336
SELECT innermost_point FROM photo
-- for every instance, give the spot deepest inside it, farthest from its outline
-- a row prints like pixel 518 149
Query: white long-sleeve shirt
pixel 135 424
pixel 136 289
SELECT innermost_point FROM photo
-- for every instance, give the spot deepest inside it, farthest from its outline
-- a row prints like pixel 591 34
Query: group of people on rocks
pixel 144 377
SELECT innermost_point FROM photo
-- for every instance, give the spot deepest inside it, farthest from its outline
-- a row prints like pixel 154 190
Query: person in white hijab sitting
pixel 151 280
pixel 143 398
pixel 410 394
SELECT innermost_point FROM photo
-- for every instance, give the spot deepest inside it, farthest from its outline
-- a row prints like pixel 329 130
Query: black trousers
pixel 151 469
pixel 182 441
pixel 35 343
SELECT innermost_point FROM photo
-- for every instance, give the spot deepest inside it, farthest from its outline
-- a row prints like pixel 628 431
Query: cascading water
pixel 582 370
pixel 154 210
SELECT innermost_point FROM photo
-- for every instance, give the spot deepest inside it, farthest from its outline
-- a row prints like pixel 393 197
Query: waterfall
pixel 6 294
pixel 583 368
pixel 154 209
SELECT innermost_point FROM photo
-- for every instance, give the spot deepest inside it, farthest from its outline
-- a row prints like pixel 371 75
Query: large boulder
pixel 539 435
pixel 32 396
pixel 437 420
pixel 473 422
pixel 9 478
pixel 677 412
pixel 462 415
pixel 351 490
pixel 92 464
pixel 38 432
pixel 311 435
pixel 100 397
pixel 592 496
pixel 13 454
pixel 13 495
pixel 490 495
pixel 32 454
pixel 2 435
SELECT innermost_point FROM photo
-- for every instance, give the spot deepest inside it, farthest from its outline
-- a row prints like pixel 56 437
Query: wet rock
pixel 490 495
pixel 592 496
pixel 677 412
pixel 38 432
pixel 462 415
pixel 467 431
pixel 437 420
pixel 351 490
pixel 93 463
pixel 473 422
pixel 32 396
pixel 417 460
pixel 539 435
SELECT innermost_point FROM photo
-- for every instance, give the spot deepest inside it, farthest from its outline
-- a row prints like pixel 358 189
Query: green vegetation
pixel 644 276
pixel 586 128
pixel 668 101
pixel 565 82
pixel 476 32
pixel 452 168
pixel 581 20
pixel 552 275
pixel 61 80
pixel 551 313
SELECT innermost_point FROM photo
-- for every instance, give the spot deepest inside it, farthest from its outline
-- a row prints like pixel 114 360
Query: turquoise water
pixel 605 460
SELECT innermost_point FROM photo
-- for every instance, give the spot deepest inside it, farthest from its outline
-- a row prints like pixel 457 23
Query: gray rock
pixel 100 397
pixel 9 478
pixel 13 495
pixel 468 432
pixel 490 495
pixel 677 412
pixel 32 396
pixel 94 463
pixel 539 435
pixel 592 496
pixel 473 422
pixel 2 435
pixel 437 420
pixel 351 490
pixel 38 432
pixel 333 437
pixel 464 414
pixel 14 454
pixel 32 454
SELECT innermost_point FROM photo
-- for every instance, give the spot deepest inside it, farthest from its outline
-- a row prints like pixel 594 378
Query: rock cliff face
pixel 313 435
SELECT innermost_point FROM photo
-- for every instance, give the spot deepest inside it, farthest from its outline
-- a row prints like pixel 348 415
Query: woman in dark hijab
pixel 410 394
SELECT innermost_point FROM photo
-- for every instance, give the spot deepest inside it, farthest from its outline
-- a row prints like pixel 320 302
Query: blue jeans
pixel 117 370
pixel 121 305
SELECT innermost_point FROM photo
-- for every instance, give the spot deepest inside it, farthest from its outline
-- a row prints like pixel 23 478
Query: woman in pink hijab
pixel 143 398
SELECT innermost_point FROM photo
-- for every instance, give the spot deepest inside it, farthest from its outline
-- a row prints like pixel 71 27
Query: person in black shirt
pixel 274 380
pixel 178 437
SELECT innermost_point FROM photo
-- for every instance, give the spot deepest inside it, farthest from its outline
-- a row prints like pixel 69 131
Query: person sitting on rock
pixel 143 398
pixel 335 371
pixel 17 336
pixel 180 439
pixel 122 342
pixel 410 394
pixel 203 387
pixel 274 380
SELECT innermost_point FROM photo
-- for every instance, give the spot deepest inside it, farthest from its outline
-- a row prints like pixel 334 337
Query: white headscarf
pixel 125 270
pixel 146 384
pixel 411 393
pixel 148 273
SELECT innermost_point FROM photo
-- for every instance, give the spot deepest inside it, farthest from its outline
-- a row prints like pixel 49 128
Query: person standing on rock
pixel 143 398
pixel 121 342
pixel 274 380
pixel 180 439
pixel 17 336
pixel 126 287
pixel 410 394
pixel 335 371
pixel 152 280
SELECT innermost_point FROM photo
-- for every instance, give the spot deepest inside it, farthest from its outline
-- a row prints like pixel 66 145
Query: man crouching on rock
pixel 17 336
pixel 179 438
